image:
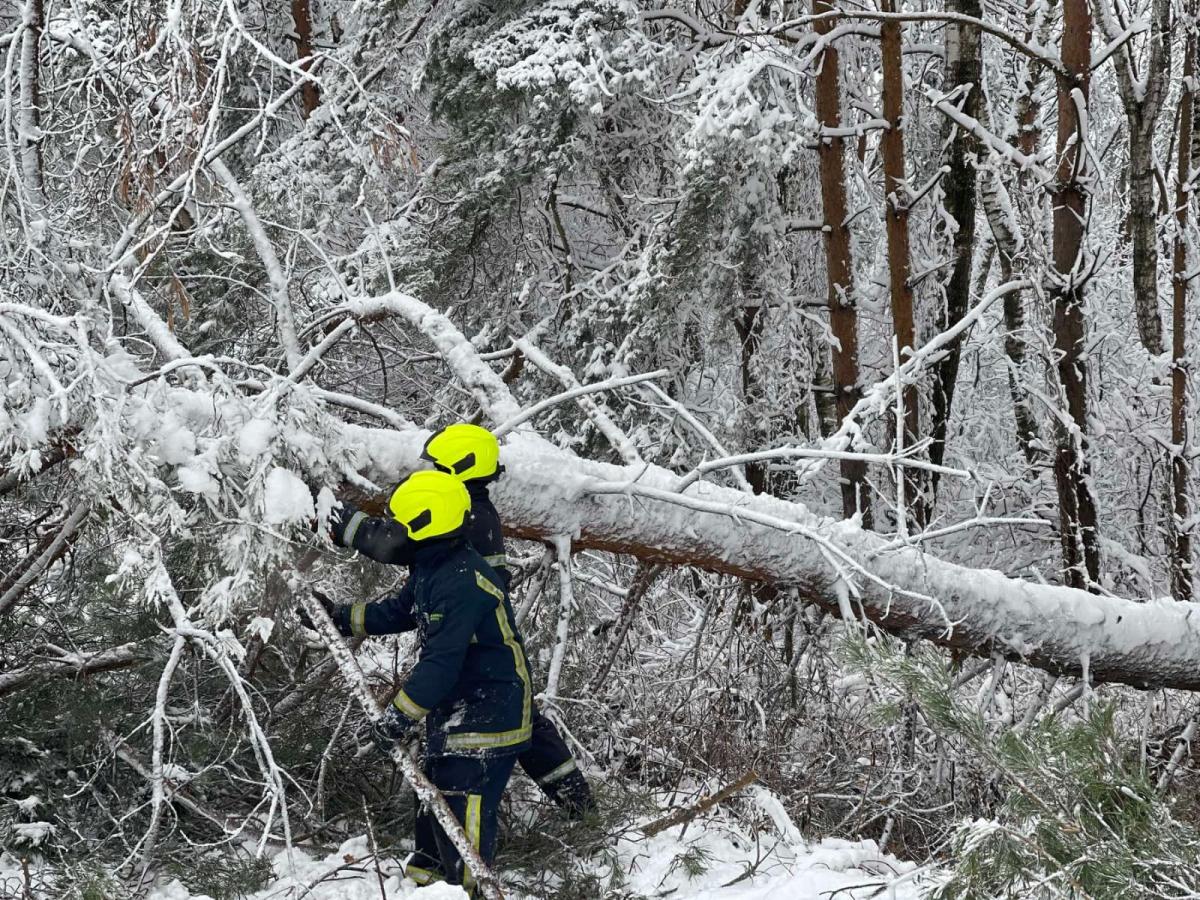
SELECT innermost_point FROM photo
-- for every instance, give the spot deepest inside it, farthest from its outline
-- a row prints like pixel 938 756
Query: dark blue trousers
pixel 472 787
pixel 548 761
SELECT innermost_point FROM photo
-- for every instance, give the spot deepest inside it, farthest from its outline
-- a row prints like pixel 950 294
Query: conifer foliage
pixel 828 347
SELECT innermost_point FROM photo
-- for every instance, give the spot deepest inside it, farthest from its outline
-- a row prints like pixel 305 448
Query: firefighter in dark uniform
pixel 470 685
pixel 472 454
pixel 548 761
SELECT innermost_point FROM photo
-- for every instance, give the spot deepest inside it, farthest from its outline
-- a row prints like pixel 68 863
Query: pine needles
pixel 1078 815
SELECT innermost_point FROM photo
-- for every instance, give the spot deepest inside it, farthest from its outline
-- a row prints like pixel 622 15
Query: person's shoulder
pixel 488 581
pixel 465 556
pixel 472 571
pixel 464 564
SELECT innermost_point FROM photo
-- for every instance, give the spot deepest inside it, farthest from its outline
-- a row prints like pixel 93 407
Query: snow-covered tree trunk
pixel 964 70
pixel 896 203
pixel 1072 469
pixel 29 113
pixel 839 262
pixel 1182 573
pixel 997 202
pixel 1143 227
pixel 302 24
pixel 1142 98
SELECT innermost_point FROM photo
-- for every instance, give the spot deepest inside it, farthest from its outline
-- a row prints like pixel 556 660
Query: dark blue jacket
pixel 471 681
pixel 385 540
pixel 484 530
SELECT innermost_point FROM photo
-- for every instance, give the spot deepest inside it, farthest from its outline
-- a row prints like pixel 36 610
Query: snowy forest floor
pixel 710 859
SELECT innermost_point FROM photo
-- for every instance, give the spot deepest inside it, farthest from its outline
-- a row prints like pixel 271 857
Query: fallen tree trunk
pixel 847 571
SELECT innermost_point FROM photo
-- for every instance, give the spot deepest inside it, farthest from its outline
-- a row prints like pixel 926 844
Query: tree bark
pixel 1029 437
pixel 546 491
pixel 1072 473
pixel 1142 98
pixel 29 121
pixel 895 190
pixel 964 68
pixel 839 262
pixel 310 94
pixel 1181 550
pixel 1143 227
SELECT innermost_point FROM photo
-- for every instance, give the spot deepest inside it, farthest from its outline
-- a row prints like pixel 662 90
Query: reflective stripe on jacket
pixel 471 681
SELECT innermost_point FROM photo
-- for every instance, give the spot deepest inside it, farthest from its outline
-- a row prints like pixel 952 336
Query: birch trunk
pixel 29 119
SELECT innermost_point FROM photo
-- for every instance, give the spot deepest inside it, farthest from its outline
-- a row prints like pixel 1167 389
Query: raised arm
pixel 377 538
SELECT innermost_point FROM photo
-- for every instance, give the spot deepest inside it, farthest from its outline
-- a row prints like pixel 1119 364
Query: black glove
pixel 306 619
pixel 339 520
pixel 392 729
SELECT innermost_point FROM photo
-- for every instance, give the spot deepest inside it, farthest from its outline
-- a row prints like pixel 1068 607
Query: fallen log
pixel 851 573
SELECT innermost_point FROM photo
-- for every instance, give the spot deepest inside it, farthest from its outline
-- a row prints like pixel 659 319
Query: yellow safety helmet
pixel 430 504
pixel 465 451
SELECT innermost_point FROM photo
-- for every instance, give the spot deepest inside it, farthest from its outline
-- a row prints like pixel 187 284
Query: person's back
pixel 471 451
pixel 472 664
pixel 470 684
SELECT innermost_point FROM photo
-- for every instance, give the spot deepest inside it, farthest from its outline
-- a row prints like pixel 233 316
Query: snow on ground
pixel 710 860
pixel 650 868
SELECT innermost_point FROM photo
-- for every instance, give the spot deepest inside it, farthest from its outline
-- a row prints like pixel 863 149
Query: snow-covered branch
pixel 59 663
pixel 548 492
pixel 463 360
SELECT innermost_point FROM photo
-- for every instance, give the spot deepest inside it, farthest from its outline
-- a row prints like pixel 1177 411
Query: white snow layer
pixel 651 868
pixel 286 498
pixel 255 438
pixel 736 866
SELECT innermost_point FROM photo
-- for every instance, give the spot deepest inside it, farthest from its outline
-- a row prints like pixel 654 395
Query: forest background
pixel 840 354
